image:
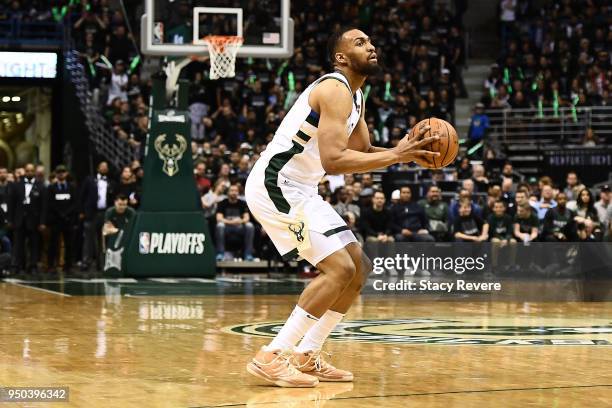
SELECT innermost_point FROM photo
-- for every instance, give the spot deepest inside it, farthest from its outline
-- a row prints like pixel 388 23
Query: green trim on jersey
pixel 336 230
pixel 277 162
pixel 303 136
pixel 290 255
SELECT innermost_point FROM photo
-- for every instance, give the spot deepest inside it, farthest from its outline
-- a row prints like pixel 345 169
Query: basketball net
pixel 222 50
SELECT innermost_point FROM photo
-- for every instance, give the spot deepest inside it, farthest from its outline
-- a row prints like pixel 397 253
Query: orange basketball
pixel 448 145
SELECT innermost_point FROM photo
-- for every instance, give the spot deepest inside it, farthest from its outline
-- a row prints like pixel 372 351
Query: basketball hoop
pixel 222 50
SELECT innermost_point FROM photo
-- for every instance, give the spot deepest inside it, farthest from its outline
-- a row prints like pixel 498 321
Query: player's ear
pixel 340 58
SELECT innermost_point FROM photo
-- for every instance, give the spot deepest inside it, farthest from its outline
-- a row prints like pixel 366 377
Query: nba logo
pixel 158 33
pixel 144 242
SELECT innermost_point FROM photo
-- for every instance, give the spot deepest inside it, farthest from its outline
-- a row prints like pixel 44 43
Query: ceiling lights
pixel 7 99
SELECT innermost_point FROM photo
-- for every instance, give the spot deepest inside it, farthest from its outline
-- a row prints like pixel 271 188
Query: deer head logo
pixel 297 229
pixel 170 154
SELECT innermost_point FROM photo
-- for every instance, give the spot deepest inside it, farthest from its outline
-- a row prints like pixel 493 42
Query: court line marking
pixel 41 289
pixel 419 394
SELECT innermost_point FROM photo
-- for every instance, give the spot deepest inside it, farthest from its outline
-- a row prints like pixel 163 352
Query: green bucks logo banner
pixel 170 154
pixel 170 236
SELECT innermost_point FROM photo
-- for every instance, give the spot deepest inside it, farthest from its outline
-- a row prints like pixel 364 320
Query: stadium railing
pixel 563 126
pixel 18 33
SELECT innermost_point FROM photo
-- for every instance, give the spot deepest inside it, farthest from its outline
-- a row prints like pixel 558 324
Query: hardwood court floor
pixel 190 351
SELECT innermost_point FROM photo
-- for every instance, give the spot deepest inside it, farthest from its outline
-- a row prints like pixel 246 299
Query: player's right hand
pixel 409 149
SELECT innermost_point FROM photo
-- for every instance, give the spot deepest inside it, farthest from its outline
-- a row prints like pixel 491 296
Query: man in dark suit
pixel 4 189
pixel 97 195
pixel 62 217
pixel 27 216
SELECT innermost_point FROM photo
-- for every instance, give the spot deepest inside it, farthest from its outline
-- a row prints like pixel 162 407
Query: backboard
pixel 176 27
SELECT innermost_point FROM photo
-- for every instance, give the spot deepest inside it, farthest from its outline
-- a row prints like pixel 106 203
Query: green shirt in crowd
pixel 120 221
pixel 500 227
pixel 526 224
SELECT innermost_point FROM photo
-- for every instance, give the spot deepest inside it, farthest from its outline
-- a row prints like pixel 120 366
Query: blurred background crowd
pixel 555 53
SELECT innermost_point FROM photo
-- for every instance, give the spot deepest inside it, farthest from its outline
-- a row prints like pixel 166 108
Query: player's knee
pixel 220 226
pixel 249 226
pixel 346 272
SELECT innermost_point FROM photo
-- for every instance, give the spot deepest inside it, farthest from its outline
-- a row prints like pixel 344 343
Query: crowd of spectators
pixel 555 53
pixel 503 209
pixel 49 222
pixel 554 64
pixel 421 47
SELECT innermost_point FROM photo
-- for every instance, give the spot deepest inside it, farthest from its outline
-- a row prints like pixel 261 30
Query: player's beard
pixel 367 68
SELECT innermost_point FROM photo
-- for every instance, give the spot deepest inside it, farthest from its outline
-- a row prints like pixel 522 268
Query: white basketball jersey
pixel 293 153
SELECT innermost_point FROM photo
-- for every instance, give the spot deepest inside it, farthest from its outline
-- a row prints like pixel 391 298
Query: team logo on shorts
pixel 534 332
pixel 298 230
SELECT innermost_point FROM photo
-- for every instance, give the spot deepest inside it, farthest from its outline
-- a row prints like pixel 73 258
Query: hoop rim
pixel 223 39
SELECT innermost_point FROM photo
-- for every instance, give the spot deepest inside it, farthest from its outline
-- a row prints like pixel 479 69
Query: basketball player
pixel 324 132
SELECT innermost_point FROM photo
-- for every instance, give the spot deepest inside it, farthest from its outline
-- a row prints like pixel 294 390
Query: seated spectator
pixel 202 182
pixel 587 221
pixel 351 222
pixel 508 172
pixel 469 185
pixel 604 207
pixel 572 188
pixel 454 206
pixel 521 197
pixel 545 203
pixel 479 178
pixel 507 194
pixel 493 194
pixel 127 186
pixel 498 226
pixel 345 203
pixel 408 220
pixel 464 169
pixel 559 225
pixel 233 219
pixel 376 220
pixel 210 200
pixel 589 139
pixel 436 212
pixel 468 226
pixel 244 168
pixel 525 223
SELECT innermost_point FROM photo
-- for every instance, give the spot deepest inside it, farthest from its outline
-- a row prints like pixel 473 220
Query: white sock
pixel 297 324
pixel 318 333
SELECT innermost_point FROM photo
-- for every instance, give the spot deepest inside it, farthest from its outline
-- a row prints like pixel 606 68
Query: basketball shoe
pixel 313 364
pixel 277 367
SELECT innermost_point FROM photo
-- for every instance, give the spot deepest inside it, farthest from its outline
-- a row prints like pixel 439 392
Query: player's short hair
pixel 334 40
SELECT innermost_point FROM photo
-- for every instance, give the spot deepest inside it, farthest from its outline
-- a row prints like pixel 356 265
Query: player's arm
pixel 334 102
pixel 360 138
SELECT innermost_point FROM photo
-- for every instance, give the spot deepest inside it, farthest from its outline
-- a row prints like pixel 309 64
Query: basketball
pixel 448 145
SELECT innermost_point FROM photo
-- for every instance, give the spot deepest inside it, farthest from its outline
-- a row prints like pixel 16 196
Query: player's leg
pixel 353 290
pixel 308 353
pixel 337 272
